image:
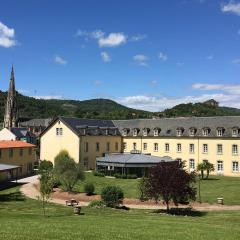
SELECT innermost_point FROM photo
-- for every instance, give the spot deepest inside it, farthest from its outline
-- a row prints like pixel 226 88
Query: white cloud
pixel 163 57
pixel 236 61
pixel 210 57
pixel 106 57
pixel 233 89
pixel 49 97
pixel 59 60
pixel 140 59
pixel 7 36
pixel 159 103
pixel 180 64
pixel 112 40
pixel 231 7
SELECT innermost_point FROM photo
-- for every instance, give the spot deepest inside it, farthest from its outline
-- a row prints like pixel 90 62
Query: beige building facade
pixel 192 140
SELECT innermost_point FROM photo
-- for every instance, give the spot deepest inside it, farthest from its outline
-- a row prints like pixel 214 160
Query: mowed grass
pixel 21 219
pixel 211 189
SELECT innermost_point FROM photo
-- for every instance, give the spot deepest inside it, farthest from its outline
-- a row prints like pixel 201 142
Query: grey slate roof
pixel 6 167
pixel 168 126
pixel 37 122
pixel 127 159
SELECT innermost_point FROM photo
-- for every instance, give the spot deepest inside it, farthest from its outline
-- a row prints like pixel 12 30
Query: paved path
pixel 30 190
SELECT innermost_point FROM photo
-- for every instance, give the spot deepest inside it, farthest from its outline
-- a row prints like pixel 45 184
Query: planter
pixel 220 201
pixel 77 210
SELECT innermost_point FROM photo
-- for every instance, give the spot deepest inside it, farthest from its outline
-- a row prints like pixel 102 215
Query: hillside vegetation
pixel 30 107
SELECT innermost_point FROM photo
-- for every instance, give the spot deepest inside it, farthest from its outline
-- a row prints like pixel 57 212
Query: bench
pixel 72 202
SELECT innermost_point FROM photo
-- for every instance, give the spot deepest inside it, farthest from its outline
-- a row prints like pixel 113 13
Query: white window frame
pixel 205 132
pixel 205 148
pixel 145 146
pixel 179 147
pixel 234 149
pixel 155 132
pixel 155 147
pixel 179 132
pixel 135 132
pixel 191 132
pixel 167 147
pixel 236 132
pixel 191 164
pixel 220 166
pixel 221 147
pixel 191 148
pixel 235 166
pixel 219 132
pixel 124 132
pixel 124 146
pixel 145 132
pixel 134 146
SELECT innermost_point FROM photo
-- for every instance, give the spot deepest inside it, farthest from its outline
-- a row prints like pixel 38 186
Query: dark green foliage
pixel 96 108
pixel 125 176
pixel 45 166
pixel 142 188
pixel 67 171
pixel 205 166
pixel 96 204
pixel 98 174
pixel 112 196
pixel 89 188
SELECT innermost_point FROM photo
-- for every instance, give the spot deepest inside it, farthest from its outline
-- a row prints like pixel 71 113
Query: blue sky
pixel 144 54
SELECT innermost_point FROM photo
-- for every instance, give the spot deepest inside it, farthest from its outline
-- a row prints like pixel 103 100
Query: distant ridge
pixel 30 107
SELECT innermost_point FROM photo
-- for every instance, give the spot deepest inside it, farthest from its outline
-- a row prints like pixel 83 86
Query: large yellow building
pixel 193 140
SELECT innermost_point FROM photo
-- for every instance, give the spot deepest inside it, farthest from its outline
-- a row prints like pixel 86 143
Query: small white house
pixel 7 135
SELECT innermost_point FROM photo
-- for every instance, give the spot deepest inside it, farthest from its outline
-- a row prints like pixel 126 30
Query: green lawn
pixel 22 219
pixel 216 186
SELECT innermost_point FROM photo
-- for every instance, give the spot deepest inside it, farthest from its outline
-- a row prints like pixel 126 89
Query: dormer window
pixel 124 132
pixel 135 132
pixel 145 132
pixel 192 132
pixel 179 132
pixel 106 131
pixel 206 132
pixel 220 132
pixel 155 132
pixel 235 132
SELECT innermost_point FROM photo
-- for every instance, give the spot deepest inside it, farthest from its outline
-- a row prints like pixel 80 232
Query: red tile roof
pixel 15 144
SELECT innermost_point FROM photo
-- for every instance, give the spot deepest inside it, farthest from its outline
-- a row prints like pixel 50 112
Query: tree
pixel 169 181
pixel 112 196
pixel 201 169
pixel 46 182
pixel 205 166
pixel 67 171
pixel 142 188
pixel 209 168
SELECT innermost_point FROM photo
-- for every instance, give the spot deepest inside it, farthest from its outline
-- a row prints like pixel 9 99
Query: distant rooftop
pixel 14 144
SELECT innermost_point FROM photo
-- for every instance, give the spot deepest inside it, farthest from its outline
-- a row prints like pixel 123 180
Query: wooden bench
pixel 72 202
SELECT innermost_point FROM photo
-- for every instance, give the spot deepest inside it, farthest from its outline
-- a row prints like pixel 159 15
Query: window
pixel 235 132
pixel 116 146
pixel 10 152
pixel 235 149
pixel 124 146
pixel 155 147
pixel 167 147
pixel 220 166
pixel 219 132
pixel 21 152
pixel 97 147
pixel 205 148
pixel 29 151
pixel 205 132
pixel 179 132
pixel 155 132
pixel 134 146
pixel 106 131
pixel 86 147
pixel 191 148
pixel 59 131
pixel 85 162
pixel 108 146
pixel 124 132
pixel 135 132
pixel 235 166
pixel 191 132
pixel 144 146
pixel 219 149
pixel 191 164
pixel 145 132
pixel 179 147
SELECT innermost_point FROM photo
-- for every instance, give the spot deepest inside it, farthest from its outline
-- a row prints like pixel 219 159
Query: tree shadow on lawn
pixel 210 179
pixel 11 196
pixel 189 212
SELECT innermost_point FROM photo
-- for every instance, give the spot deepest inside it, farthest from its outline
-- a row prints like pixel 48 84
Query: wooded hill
pixel 106 109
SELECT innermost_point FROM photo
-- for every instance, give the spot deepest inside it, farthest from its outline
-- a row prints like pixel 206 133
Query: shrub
pixel 98 174
pixel 96 204
pixel 89 189
pixel 124 176
pixel 112 196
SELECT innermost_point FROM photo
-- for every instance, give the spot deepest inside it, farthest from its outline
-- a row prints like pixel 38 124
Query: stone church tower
pixel 11 109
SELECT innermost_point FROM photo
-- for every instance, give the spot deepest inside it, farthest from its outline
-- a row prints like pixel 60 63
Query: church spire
pixel 11 110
